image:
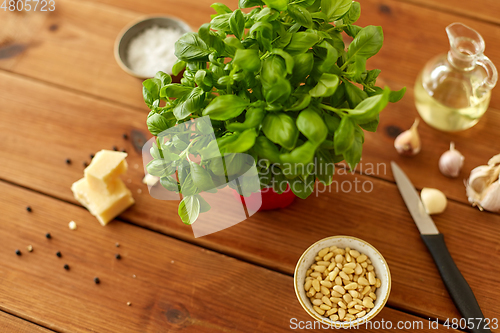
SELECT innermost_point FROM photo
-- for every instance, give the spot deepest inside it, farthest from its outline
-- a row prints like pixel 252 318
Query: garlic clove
pixel 494 161
pixel 491 199
pixel 408 142
pixel 451 162
pixel 434 200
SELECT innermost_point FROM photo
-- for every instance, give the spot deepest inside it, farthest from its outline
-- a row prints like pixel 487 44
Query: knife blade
pixel 455 283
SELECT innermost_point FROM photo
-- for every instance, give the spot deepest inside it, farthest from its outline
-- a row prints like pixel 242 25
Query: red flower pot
pixel 270 199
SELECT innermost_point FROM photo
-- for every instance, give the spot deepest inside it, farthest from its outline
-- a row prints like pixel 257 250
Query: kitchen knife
pixel 457 286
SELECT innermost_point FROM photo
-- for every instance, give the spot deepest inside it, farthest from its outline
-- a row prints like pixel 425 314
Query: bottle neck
pixel 461 61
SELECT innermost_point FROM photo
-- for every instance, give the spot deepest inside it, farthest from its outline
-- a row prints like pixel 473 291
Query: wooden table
pixel 63 96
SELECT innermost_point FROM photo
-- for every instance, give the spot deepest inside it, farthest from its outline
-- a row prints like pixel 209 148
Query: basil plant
pixel 279 84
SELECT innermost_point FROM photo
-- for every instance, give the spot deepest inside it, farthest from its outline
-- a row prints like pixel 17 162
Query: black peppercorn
pixel 18 252
pixel 48 236
pixel 91 156
pixel 66 267
pixel 29 209
pixel 96 280
pixel 115 148
pixel 118 256
pixel 125 136
pixel 124 151
pixel 59 254
pixel 85 164
pixel 68 161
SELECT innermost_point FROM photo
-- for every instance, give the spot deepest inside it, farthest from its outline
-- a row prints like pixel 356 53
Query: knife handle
pixel 457 286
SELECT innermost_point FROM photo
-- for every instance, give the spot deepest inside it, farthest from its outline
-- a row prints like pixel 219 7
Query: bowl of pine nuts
pixel 342 281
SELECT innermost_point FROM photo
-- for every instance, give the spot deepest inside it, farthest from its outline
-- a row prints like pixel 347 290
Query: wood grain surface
pixel 177 286
pixel 11 323
pixel 273 239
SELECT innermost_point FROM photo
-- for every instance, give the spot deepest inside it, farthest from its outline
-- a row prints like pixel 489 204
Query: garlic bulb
pixel 408 142
pixel 483 186
pixel 434 200
pixel 451 162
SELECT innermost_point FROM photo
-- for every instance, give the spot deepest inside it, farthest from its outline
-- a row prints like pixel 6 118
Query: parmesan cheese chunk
pixel 105 167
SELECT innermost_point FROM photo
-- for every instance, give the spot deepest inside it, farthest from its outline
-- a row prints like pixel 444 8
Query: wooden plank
pixel 70 50
pixel 178 286
pixel 10 323
pixel 484 10
pixel 34 156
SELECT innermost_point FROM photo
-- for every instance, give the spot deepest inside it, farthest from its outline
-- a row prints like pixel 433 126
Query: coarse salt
pixel 153 50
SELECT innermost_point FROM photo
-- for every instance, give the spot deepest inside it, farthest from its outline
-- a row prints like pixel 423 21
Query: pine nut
pixel 325 290
pixel 340 265
pixel 317 302
pixel 353 293
pixel 361 258
pixel 353 311
pixel 348 257
pixel 315 274
pixel 328 256
pixel 358 269
pixel 338 280
pixel 316 285
pixel 335 294
pixel 370 268
pixel 378 283
pixel 308 285
pixel 361 314
pixel 371 278
pixel 335 300
pixel 320 269
pixel 318 295
pixel 341 314
pixel 331 267
pixel 327 284
pixel 372 296
pixel 331 311
pixel 351 286
pixel 369 261
pixel 334 317
pixel 311 293
pixel 367 303
pixel 326 300
pixel 318 258
pixel 339 289
pixel 309 271
pixel 319 310
pixel 348 270
pixel 347 298
pixel 334 274
pixel 323 252
pixel 344 282
pixel 325 307
pixel 359 307
pixel 354 253
pixel 364 264
pixel 333 248
pixel 349 317
pixel 342 305
pixel 339 258
pixel 343 275
pixel 352 304
pixel 350 265
pixel 362 281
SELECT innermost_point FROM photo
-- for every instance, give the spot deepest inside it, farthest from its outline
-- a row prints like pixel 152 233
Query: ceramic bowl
pixel 135 28
pixel 381 271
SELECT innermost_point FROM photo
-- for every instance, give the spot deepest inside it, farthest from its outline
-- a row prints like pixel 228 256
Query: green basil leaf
pixel 280 5
pixel 220 8
pixel 211 39
pixel 158 123
pixel 188 186
pixel 303 154
pixel 164 78
pixel 301 42
pixel 247 59
pixel 371 77
pixel 302 188
pixel 289 62
pixel 352 30
pixel 312 126
pixel 221 22
pixel 225 107
pixel 189 209
pixel 280 182
pixel 203 79
pixel 325 167
pixel 175 90
pixel 151 91
pixel 266 149
pixel 162 167
pixel 372 125
pixel 369 108
pixel 339 97
pixel 352 14
pixel 237 23
pixel 332 122
pixel 366 43
pixel 170 184
pixel 250 3
pixel 300 15
pixel 353 154
pixel 190 47
pixel 178 67
pixel 357 68
pixel 201 178
pixel 335 9
pixel 279 92
pixel 281 129
pixel 242 143
pixel 395 96
pixel 303 66
pixel 301 103
pixel 354 95
pixel 344 136
pixel 326 86
pixel 190 103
